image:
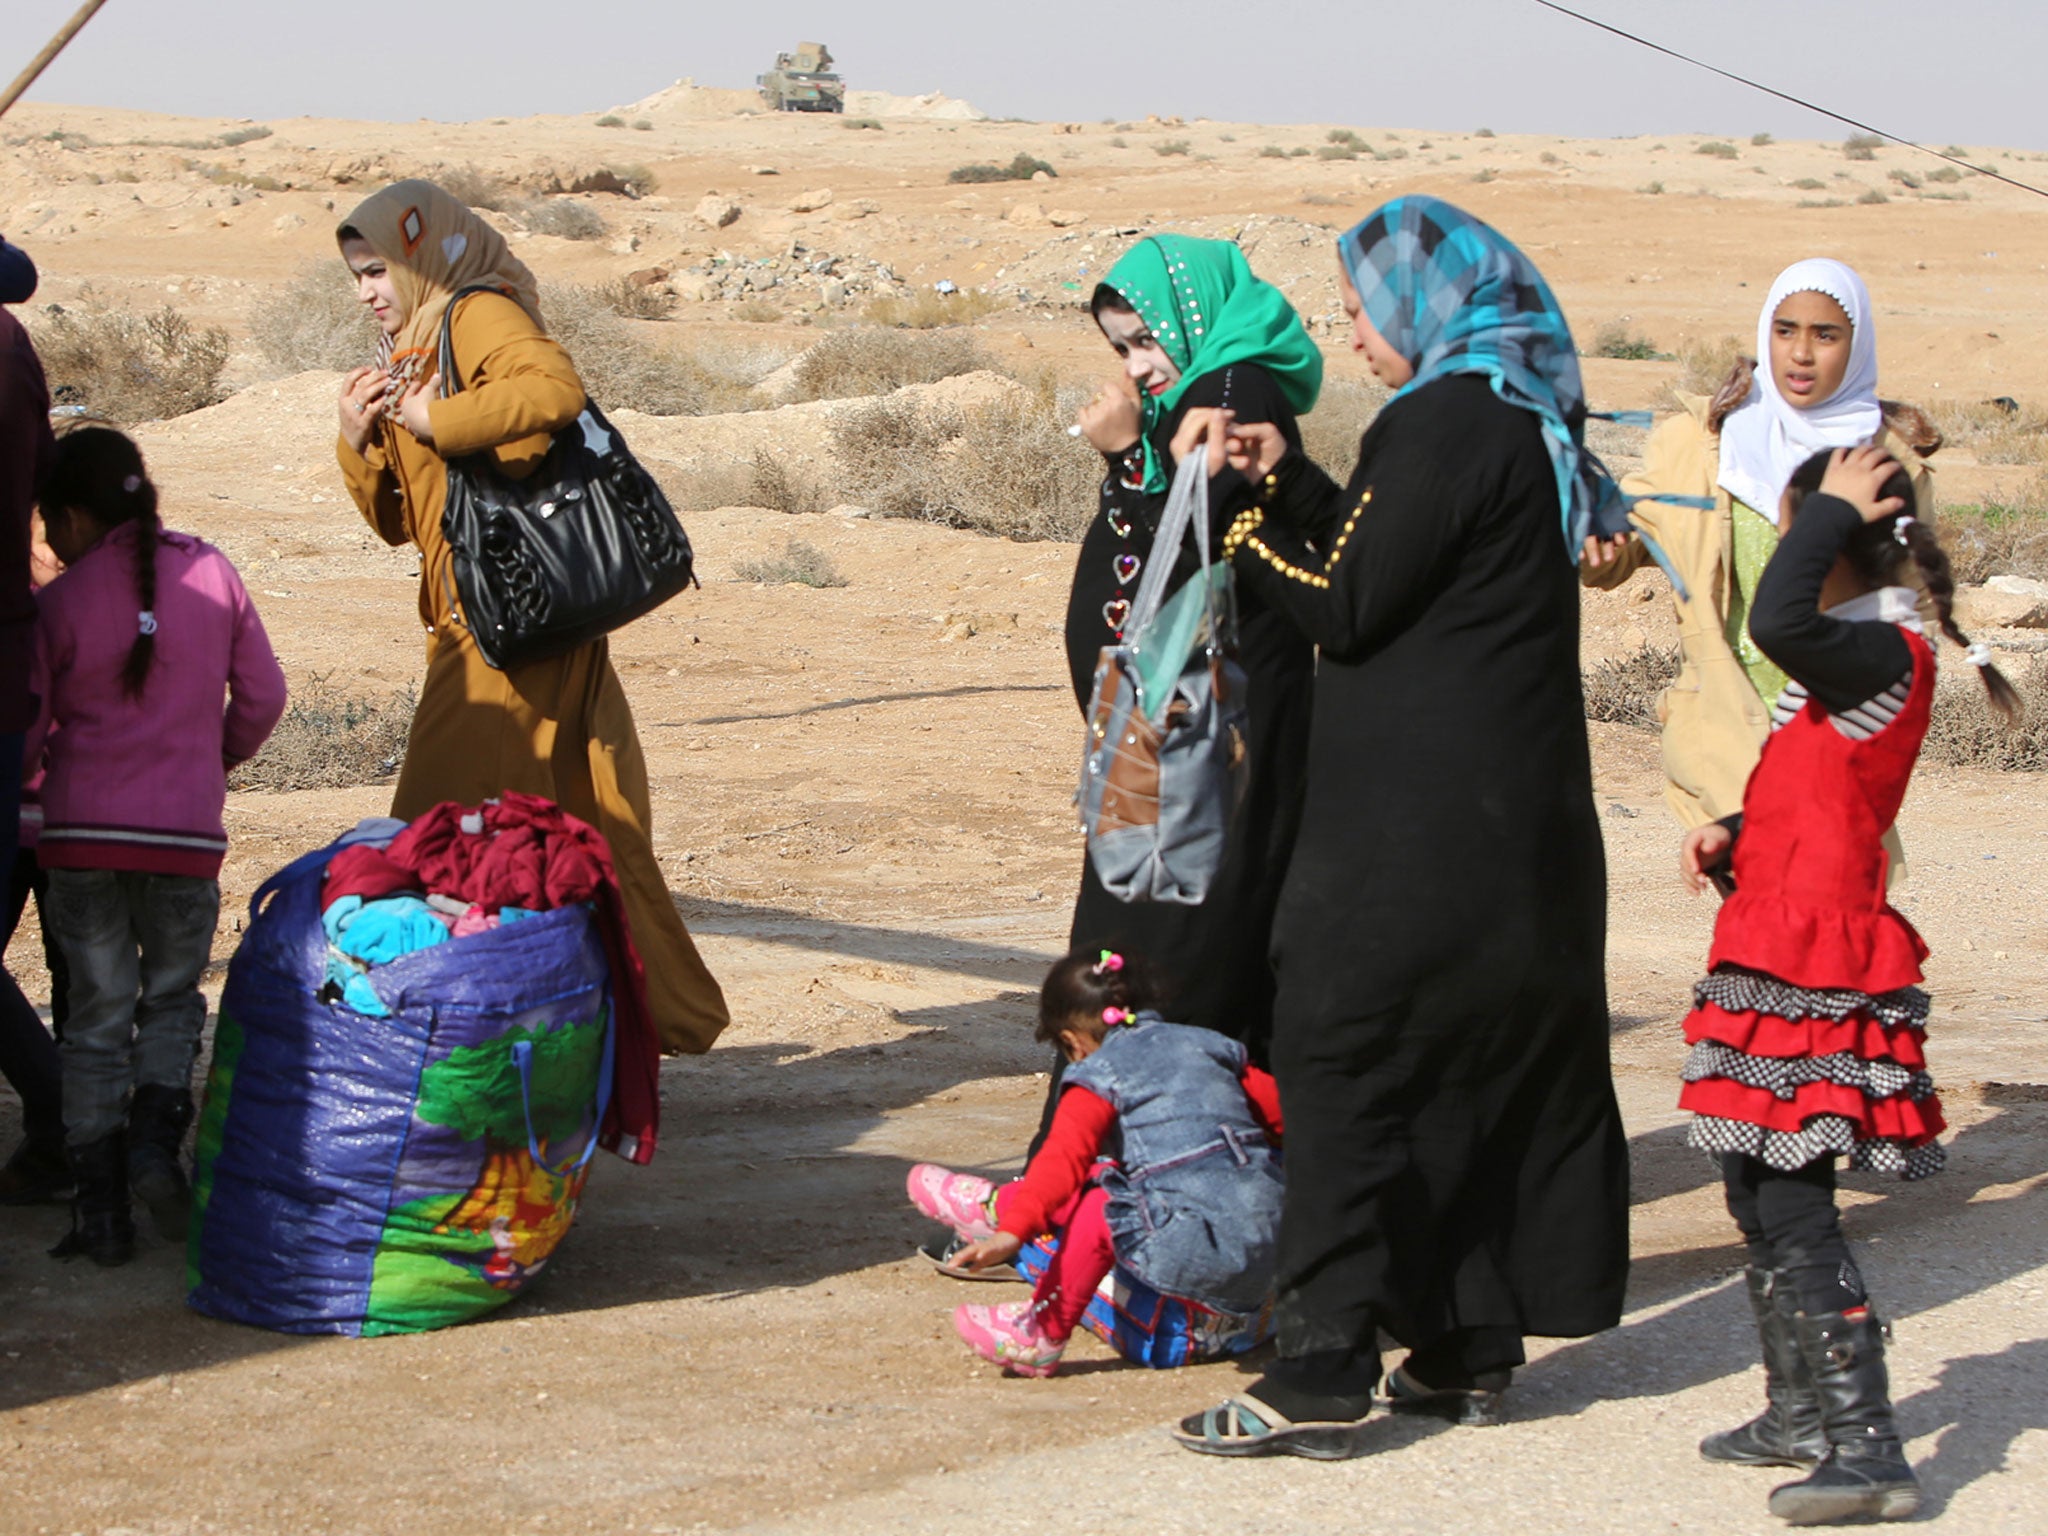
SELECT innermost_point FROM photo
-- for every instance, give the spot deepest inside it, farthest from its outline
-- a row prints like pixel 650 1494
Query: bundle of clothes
pixel 457 871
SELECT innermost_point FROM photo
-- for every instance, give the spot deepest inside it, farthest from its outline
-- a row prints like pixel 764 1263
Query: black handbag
pixel 583 545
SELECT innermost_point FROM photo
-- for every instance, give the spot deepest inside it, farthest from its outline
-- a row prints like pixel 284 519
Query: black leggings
pixel 1790 1223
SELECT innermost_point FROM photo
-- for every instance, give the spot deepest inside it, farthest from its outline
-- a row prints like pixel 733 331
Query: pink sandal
pixel 1011 1335
pixel 963 1201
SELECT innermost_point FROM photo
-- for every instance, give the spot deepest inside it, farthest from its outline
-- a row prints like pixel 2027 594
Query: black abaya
pixel 1456 1167
pixel 1211 959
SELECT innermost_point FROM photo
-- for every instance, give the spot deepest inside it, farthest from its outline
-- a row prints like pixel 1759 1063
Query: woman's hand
pixel 1000 1249
pixel 1598 551
pixel 1202 425
pixel 364 395
pixel 1704 848
pixel 1255 448
pixel 1857 476
pixel 413 404
pixel 1111 421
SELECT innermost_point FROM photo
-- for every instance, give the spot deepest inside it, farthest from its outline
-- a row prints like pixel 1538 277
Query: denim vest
pixel 1194 1198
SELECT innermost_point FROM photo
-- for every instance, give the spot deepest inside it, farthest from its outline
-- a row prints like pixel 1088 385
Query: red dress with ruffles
pixel 1808 1031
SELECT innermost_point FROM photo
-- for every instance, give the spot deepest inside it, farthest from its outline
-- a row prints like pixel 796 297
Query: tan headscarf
pixel 435 246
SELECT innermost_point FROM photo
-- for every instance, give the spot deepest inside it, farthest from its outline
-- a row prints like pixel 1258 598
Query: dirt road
pixel 867 828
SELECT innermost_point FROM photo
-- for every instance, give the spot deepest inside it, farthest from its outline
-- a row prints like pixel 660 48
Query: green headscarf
pixel 1206 309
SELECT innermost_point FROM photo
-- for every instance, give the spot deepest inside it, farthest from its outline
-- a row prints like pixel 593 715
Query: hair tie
pixel 1110 963
pixel 1116 1016
pixel 1977 654
pixel 145 622
pixel 132 484
pixel 1901 527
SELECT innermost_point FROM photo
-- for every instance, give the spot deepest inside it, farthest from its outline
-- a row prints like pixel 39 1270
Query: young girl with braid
pixel 1808 1030
pixel 137 645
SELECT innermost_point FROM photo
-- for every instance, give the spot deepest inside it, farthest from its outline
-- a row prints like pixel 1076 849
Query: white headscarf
pixel 1767 437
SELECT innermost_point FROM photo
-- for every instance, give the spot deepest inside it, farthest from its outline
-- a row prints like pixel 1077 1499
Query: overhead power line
pixel 1797 101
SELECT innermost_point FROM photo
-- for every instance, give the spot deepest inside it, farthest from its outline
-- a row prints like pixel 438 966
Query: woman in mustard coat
pixel 560 728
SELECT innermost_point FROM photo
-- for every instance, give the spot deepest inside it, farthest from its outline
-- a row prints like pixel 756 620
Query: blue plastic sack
pixel 367 1175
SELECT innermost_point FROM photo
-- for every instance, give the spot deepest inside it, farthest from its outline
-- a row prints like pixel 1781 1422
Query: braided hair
pixel 1880 554
pixel 1092 991
pixel 99 472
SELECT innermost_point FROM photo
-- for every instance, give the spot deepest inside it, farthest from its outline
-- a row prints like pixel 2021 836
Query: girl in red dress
pixel 1807 1031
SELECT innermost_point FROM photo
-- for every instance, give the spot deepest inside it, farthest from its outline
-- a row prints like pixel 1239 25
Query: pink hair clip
pixel 1116 1016
pixel 1110 963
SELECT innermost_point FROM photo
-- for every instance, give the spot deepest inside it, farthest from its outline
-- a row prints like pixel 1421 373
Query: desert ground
pixel 862 795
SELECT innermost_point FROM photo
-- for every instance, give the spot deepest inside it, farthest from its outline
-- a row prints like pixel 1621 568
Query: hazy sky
pixel 1965 71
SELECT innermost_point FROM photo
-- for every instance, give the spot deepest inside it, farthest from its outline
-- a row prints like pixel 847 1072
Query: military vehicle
pixel 803 82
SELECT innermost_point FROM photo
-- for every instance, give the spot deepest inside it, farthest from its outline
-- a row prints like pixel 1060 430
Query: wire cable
pixel 1797 101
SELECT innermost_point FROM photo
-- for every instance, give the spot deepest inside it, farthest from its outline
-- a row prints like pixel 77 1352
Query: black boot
pixel 157 1122
pixel 1788 1432
pixel 100 1226
pixel 1865 1474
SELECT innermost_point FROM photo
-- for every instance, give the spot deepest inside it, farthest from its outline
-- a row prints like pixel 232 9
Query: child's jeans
pixel 1085 1254
pixel 136 945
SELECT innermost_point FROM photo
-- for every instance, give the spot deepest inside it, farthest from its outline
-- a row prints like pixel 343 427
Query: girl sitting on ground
pixel 1162 1160
pixel 137 644
pixel 1808 1030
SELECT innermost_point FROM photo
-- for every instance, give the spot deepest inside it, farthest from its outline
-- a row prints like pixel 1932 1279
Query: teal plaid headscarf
pixel 1201 302
pixel 1453 295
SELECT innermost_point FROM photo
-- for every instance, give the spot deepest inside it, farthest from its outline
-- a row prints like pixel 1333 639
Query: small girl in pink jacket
pixel 137 644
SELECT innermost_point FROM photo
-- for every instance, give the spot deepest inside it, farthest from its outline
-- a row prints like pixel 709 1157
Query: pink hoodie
pixel 138 784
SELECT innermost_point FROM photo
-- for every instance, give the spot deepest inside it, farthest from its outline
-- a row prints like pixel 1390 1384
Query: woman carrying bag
pixel 1457 1174
pixel 1193 327
pixel 559 728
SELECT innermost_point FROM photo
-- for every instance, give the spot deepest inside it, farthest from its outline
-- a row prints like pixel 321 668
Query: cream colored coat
pixel 1714 722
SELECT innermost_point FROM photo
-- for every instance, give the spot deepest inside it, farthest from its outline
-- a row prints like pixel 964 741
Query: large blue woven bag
pixel 365 1175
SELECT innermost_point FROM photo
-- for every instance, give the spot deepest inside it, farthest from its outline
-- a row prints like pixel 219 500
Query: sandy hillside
pixel 862 804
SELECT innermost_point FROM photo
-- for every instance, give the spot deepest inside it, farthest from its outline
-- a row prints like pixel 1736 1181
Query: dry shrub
pixel 927 309
pixel 636 301
pixel 1703 366
pixel 314 321
pixel 477 188
pixel 1615 340
pixel 700 490
pixel 867 361
pixel 131 367
pixel 1997 539
pixel 1720 149
pixel 1862 146
pixel 1624 690
pixel 634 180
pixel 1992 434
pixel 1330 433
pixel 562 217
pixel 801 564
pixel 329 739
pixel 1022 168
pixel 1006 468
pixel 756 312
pixel 621 369
pixel 773 482
pixel 1965 732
